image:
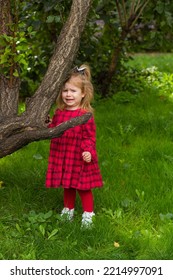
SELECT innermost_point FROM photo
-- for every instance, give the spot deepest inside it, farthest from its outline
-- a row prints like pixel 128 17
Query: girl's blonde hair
pixel 83 73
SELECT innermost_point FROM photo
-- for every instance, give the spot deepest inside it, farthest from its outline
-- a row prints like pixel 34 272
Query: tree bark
pixel 116 55
pixel 17 131
pixel 9 87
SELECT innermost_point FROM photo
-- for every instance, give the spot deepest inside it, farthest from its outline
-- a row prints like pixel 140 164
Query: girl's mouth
pixel 69 100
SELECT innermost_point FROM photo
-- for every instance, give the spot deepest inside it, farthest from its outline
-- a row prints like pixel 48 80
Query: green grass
pixel 134 208
pixel 163 61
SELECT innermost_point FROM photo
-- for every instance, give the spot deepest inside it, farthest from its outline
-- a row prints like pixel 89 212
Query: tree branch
pixel 21 139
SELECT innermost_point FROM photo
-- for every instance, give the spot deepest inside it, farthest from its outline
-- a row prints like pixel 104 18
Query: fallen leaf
pixel 116 244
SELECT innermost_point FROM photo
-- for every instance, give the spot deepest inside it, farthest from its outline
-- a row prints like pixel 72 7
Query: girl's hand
pixel 48 120
pixel 86 156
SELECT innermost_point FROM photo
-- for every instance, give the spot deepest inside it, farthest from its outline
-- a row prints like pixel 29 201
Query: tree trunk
pixel 17 131
pixel 116 55
pixel 9 87
pixel 128 16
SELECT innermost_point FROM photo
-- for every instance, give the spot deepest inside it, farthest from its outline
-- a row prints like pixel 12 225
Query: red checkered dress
pixel 66 167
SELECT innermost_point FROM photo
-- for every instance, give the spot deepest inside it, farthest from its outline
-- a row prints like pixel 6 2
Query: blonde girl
pixel 73 162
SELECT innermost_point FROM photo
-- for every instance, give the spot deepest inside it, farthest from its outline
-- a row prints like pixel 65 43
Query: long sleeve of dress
pixel 89 138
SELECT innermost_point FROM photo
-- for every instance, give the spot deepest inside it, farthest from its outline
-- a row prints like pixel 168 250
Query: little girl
pixel 73 162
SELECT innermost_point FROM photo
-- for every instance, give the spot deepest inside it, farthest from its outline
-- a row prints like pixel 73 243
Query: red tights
pixel 85 196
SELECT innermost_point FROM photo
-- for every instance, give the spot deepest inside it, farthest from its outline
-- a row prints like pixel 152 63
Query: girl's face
pixel 72 94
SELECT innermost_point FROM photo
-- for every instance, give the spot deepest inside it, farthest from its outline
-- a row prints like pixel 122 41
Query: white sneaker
pixel 87 219
pixel 67 214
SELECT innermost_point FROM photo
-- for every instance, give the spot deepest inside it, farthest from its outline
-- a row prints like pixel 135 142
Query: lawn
pixel 134 209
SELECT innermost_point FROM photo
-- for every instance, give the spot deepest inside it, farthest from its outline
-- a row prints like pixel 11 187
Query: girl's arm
pixel 89 141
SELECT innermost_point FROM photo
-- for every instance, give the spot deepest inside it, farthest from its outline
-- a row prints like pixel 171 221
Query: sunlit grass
pixel 163 61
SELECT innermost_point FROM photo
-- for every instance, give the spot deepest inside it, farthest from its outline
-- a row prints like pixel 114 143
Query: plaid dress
pixel 66 167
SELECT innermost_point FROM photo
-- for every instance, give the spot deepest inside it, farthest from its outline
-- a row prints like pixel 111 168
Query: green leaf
pixel 163 23
pixel 50 19
pixel 48 215
pixel 24 62
pixel 160 7
pixel 19 229
pixel 37 156
pixel 22 47
pixel 53 233
pixel 29 29
pixel 2 42
pixel 57 19
pixel 7 38
pixel 42 229
pixel 15 73
pixel 4 59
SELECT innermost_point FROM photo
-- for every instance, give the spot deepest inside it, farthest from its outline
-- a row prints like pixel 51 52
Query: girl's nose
pixel 68 93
